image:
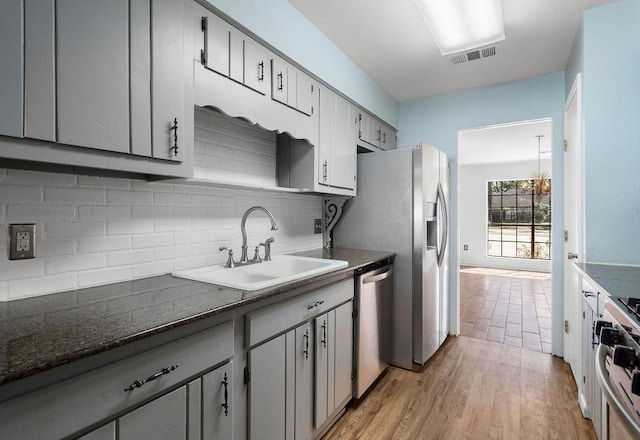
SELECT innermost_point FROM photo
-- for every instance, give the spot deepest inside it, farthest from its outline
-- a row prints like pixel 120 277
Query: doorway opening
pixel 505 221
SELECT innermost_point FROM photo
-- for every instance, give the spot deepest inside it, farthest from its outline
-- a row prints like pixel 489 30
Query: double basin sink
pixel 282 269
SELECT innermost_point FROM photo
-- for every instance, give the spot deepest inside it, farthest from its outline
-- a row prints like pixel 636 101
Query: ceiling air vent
pixel 473 55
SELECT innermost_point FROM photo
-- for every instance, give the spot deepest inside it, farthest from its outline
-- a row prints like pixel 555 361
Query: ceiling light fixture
pixel 461 25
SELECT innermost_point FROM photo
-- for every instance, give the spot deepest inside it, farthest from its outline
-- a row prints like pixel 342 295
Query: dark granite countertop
pixel 40 333
pixel 615 280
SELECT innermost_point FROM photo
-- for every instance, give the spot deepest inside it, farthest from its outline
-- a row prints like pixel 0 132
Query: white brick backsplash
pixel 168 253
pixel 152 240
pixel 20 194
pixel 74 196
pixel 99 230
pixel 104 213
pixel 104 244
pixel 120 197
pixel 39 213
pixel 13 270
pixel 130 257
pixel 130 227
pixel 71 230
pixel 74 263
pixel 103 276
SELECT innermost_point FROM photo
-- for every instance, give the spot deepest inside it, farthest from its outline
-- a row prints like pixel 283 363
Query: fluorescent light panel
pixel 461 25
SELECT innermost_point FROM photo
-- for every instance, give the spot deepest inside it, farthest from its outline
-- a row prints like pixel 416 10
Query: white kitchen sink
pixel 282 269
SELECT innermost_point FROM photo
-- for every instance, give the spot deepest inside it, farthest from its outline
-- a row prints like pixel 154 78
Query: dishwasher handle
pixel 378 277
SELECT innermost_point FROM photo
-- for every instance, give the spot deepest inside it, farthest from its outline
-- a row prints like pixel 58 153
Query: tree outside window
pixel 519 218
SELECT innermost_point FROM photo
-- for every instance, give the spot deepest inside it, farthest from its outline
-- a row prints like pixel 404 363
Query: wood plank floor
pixel 471 389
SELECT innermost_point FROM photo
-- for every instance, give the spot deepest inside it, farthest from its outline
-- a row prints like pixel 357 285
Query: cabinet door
pixel 304 382
pixel 305 93
pixel 236 55
pixel 280 80
pixel 267 387
pixel 167 87
pixel 256 69
pixel 93 73
pixel 162 419
pixel 322 368
pixel 325 134
pixel 105 432
pixel 388 137
pixel 217 419
pixel 344 159
pixel 343 343
pixel 11 68
pixel 216 43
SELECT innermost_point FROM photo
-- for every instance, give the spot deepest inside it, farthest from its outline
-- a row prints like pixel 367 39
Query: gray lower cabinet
pixel 200 409
pixel 591 388
pixel 301 379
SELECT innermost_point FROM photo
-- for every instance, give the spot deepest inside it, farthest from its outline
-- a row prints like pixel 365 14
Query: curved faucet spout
pixel 243 230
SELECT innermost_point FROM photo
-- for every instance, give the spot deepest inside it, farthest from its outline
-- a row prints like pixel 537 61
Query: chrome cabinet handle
pixel 318 303
pixel 140 382
pixel 175 137
pixel 306 344
pixel 281 79
pixel 225 405
pixel 324 171
pixel 261 71
pixel 323 341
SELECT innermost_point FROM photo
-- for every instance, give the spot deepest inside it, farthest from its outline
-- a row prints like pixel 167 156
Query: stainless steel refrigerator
pixel 401 207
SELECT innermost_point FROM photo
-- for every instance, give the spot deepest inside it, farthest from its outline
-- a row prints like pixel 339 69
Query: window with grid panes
pixel 519 218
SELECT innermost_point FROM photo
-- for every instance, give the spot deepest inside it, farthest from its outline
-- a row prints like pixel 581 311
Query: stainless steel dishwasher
pixel 374 301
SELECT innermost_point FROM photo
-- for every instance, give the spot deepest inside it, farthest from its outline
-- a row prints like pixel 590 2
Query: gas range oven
pixel 618 367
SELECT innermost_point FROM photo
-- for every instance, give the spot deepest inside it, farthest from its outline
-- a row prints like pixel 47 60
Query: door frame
pixel 571 313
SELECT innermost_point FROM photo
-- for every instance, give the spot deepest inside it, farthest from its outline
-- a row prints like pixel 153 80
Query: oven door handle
pixel 612 397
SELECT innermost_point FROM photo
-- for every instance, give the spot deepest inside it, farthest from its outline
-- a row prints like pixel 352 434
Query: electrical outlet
pixel 317 226
pixel 22 241
pixel 466 247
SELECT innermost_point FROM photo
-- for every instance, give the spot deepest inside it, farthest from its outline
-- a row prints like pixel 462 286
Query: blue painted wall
pixel 282 26
pixel 611 108
pixel 437 120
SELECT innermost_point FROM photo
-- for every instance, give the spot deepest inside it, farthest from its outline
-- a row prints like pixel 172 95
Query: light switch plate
pixel 22 241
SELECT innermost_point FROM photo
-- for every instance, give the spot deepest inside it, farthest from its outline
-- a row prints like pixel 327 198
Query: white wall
pixel 473 213
pixel 94 230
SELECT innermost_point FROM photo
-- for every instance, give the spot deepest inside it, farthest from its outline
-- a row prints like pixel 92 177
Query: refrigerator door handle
pixel 442 205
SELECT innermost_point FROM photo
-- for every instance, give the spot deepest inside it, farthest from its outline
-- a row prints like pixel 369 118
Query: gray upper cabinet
pixel 167 86
pixel 215 54
pixel 93 73
pixel 338 121
pixel 292 87
pixel 108 76
pixel 387 137
pixel 11 68
pixel 256 66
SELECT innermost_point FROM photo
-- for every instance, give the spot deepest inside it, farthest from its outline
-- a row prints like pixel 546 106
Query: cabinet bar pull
pixel 225 405
pixel 384 137
pixel 379 131
pixel 175 137
pixel 261 71
pixel 140 382
pixel 324 334
pixel 324 171
pixel 306 344
pixel 204 25
pixel 281 78
pixel 318 303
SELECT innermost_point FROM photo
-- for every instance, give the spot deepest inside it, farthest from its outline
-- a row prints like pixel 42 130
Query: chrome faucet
pixel 243 229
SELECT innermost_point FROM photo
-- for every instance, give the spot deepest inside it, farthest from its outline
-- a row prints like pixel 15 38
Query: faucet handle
pixel 256 255
pixel 230 262
pixel 267 248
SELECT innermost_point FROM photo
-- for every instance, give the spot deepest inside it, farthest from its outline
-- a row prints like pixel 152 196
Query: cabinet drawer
pixel 65 408
pixel 270 321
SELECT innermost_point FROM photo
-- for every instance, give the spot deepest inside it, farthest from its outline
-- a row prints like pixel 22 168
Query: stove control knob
pixel 635 382
pixel 625 357
pixel 610 336
pixel 600 324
